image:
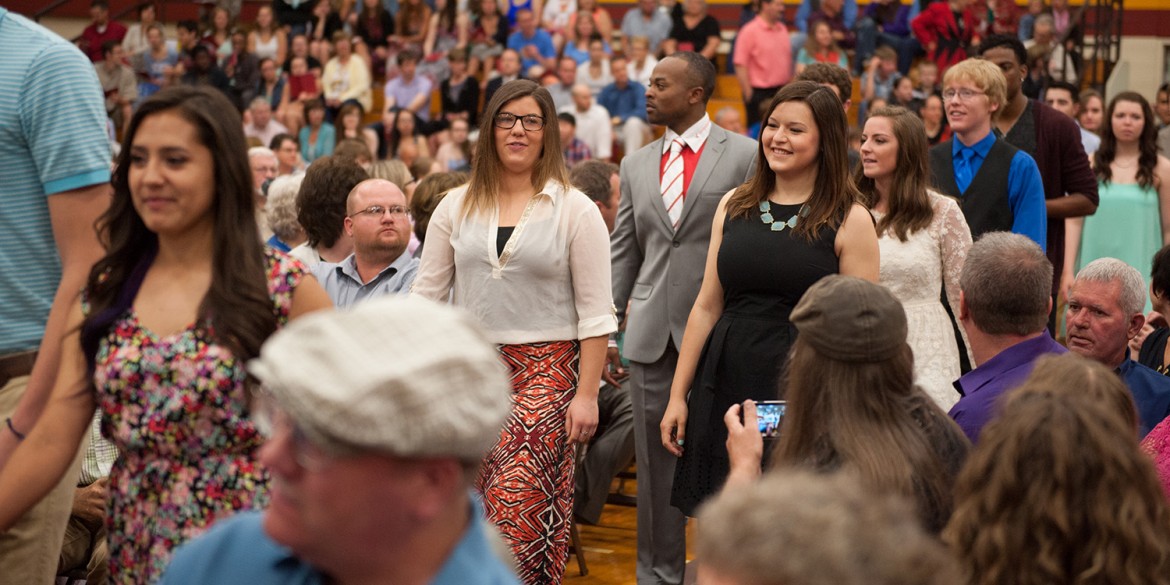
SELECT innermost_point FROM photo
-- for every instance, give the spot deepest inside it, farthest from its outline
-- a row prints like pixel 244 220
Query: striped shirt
pixel 52 140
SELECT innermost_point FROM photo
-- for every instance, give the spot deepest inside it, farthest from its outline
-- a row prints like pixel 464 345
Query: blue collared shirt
pixel 542 41
pixel 1150 391
pixel 624 103
pixel 345 287
pixel 237 550
pixel 982 387
pixel 1025 188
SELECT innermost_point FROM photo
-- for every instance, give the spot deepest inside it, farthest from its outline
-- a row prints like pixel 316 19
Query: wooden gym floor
pixel 610 546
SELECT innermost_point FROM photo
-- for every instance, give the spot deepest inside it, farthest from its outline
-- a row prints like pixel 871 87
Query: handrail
pixel 47 9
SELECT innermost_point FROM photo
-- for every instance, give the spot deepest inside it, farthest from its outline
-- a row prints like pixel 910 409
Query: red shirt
pixel 690 161
pixel 92 40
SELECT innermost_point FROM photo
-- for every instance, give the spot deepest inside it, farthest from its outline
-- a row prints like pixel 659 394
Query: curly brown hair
pixel 1058 491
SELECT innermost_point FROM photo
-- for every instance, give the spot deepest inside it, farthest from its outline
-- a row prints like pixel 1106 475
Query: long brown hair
pixel 237 310
pixel 833 192
pixel 487 169
pixel 909 204
pixel 813 48
pixel 864 417
pixel 1058 491
pixel 1147 142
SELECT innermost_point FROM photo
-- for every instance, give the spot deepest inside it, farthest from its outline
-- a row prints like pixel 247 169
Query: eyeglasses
pixel 531 122
pixel 272 421
pixel 964 94
pixel 379 211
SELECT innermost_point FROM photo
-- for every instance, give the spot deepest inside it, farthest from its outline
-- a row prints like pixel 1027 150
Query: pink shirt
pixel 766 53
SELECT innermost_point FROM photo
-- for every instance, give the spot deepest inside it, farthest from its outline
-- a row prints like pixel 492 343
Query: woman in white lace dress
pixel 923 238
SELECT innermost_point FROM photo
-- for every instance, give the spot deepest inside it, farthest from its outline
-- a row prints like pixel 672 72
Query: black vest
pixel 985 202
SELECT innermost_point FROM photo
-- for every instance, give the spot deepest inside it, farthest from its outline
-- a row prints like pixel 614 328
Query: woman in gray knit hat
pixel 853 405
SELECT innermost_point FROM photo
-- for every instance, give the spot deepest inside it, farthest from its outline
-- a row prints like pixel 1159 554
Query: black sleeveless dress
pixel 764 273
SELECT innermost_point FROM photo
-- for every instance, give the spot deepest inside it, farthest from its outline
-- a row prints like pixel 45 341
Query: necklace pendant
pixel 767 217
pixel 779 227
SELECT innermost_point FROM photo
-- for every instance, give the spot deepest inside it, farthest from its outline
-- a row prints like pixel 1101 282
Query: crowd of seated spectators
pixel 305 80
pixel 442 60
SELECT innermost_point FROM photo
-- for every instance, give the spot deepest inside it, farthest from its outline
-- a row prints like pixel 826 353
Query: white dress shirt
pixel 594 128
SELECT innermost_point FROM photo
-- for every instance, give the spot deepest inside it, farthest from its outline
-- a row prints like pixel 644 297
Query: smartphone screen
pixel 770 412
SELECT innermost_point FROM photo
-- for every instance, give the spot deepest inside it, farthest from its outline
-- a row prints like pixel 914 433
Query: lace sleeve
pixel 954 237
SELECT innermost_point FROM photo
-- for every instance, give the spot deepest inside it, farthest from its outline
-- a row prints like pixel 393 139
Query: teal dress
pixel 1127 226
pixel 326 139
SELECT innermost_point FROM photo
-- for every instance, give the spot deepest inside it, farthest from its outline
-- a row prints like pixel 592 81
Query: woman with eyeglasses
pixel 529 256
pixel 184 296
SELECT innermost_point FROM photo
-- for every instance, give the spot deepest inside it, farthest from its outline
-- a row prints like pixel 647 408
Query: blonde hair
pixel 986 76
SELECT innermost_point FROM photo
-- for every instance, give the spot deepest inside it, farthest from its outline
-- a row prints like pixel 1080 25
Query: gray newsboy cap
pixel 399 374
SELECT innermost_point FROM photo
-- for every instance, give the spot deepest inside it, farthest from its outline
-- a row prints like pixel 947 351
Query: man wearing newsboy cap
pixel 378 418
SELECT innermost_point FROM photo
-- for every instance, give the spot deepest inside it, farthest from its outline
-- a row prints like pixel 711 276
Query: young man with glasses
pixel 998 187
pixel 372 459
pixel 1052 140
pixel 378 221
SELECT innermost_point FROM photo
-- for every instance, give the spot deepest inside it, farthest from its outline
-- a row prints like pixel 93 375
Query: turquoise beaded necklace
pixel 779 226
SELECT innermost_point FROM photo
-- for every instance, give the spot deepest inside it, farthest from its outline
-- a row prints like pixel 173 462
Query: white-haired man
pixel 372 459
pixel 263 127
pixel 1104 312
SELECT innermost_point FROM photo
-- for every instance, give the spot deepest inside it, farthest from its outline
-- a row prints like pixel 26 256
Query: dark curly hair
pixel 321 201
pixel 1058 491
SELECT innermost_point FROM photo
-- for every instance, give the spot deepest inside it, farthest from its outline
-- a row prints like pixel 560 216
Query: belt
pixel 16 365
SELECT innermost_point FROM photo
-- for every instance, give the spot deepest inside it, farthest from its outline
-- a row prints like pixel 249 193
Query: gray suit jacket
pixel 657 269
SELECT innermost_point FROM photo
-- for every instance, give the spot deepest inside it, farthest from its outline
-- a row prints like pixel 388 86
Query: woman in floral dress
pixel 184 296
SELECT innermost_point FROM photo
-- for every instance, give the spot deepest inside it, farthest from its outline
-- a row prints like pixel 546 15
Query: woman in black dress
pixel 797 220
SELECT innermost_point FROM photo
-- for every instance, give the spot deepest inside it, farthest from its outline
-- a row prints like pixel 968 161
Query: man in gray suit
pixel 659 250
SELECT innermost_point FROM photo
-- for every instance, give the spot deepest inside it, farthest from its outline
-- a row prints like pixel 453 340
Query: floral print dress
pixel 176 407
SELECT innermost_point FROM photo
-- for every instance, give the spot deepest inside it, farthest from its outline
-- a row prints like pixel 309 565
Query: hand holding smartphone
pixel 771 414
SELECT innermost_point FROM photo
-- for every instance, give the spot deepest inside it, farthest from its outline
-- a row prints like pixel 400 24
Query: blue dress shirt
pixel 624 103
pixel 544 45
pixel 1150 391
pixel 1025 186
pixel 345 286
pixel 237 550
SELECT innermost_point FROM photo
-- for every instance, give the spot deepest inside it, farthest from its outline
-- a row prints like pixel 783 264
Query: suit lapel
pixel 650 183
pixel 712 151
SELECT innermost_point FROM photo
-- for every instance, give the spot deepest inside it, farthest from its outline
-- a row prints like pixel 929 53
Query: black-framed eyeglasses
pixel 531 122
pixel 379 210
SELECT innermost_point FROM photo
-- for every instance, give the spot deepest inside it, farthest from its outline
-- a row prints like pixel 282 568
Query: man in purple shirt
pixel 1005 320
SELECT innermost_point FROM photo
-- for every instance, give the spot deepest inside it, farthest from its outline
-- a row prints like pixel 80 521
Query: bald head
pixel 582 97
pixel 379 222
pixel 363 193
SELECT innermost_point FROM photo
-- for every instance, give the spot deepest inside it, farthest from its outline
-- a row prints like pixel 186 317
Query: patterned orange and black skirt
pixel 527 478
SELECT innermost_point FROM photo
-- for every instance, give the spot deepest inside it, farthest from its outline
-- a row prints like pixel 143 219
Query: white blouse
pixel 552 283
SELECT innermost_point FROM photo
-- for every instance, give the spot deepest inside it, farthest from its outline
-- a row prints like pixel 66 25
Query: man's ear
pixel 1136 321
